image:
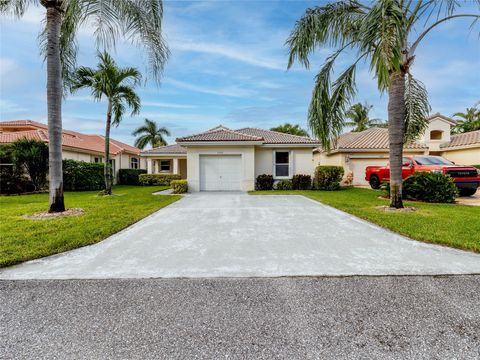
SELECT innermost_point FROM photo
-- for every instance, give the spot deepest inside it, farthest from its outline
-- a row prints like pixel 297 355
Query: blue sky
pixel 227 66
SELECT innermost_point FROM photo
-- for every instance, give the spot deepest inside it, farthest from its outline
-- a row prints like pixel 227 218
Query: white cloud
pixel 235 53
pixel 8 106
pixel 167 105
pixel 232 91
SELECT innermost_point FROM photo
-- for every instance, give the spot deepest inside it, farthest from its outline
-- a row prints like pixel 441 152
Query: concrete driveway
pixel 237 235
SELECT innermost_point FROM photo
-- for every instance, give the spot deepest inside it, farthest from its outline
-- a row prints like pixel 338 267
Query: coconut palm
pixel 117 86
pixel 150 133
pixel 469 121
pixel 288 128
pixel 385 34
pixel 358 115
pixel 139 21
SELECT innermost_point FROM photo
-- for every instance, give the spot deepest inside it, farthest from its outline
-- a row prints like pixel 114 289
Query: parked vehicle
pixel 467 178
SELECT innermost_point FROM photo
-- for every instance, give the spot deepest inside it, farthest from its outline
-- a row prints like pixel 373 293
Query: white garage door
pixel 220 172
pixel 358 166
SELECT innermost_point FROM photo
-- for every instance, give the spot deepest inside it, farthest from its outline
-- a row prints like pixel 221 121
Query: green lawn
pixel 447 224
pixel 23 239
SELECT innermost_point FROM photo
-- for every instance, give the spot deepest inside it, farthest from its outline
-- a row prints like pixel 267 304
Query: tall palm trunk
pixel 54 101
pixel 108 167
pixel 396 129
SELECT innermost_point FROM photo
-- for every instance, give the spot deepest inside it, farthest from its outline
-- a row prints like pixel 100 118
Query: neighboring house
pixel 75 146
pixel 222 159
pixel 356 151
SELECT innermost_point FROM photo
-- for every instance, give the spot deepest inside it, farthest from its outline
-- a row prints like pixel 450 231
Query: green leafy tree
pixel 150 133
pixel 32 156
pixel 467 121
pixel 359 119
pixel 117 86
pixel 385 34
pixel 288 128
pixel 139 21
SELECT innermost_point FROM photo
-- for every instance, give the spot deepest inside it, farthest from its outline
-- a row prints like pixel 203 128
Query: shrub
pixel 301 182
pixel 264 182
pixel 31 156
pixel 328 177
pixel 428 187
pixel 14 182
pixel 477 166
pixel 179 186
pixel 158 179
pixel 130 176
pixel 82 176
pixel 284 185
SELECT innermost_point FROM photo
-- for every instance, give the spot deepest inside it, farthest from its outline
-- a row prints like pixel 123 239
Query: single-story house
pixel 357 150
pixel 222 159
pixel 75 145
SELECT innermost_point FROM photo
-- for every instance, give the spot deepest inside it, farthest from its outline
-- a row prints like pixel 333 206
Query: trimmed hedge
pixel 328 177
pixel 301 182
pixel 130 176
pixel 158 179
pixel 284 185
pixel 179 186
pixel 264 182
pixel 428 187
pixel 82 176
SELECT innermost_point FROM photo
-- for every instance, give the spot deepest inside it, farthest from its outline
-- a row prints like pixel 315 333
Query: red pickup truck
pixel 467 178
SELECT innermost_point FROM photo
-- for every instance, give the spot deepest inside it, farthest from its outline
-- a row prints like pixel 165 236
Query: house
pixel 357 150
pixel 222 159
pixel 75 145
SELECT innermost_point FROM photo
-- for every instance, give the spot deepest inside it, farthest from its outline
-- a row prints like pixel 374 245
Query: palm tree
pixel 358 114
pixel 138 21
pixel 117 86
pixel 151 134
pixel 288 128
pixel 382 33
pixel 469 121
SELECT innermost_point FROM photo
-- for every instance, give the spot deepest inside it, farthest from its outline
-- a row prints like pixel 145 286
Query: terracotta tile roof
pixel 275 137
pixel 370 139
pixel 220 133
pixel 12 130
pixel 169 149
pixel 465 139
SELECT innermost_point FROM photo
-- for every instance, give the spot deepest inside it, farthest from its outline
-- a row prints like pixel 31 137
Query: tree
pixel 469 121
pixel 383 34
pixel 288 128
pixel 136 20
pixel 31 156
pixel 151 134
pixel 358 115
pixel 117 86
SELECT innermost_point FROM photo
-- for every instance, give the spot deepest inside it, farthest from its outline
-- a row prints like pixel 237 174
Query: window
pixel 436 135
pixel 112 165
pixel 98 159
pixel 164 165
pixel 432 160
pixel 133 163
pixel 281 166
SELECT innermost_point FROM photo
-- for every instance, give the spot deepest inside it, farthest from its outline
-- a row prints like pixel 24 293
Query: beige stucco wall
pixel 302 160
pixel 247 152
pixel 469 156
pixel 73 155
pixel 440 125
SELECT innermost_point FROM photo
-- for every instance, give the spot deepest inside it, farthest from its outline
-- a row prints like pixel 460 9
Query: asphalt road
pixel 290 318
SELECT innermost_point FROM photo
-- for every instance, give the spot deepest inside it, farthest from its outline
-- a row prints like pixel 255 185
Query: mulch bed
pixel 44 215
pixel 390 209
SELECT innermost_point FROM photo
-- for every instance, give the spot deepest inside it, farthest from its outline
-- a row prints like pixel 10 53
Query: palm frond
pixel 330 25
pixel 15 8
pixel 418 108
